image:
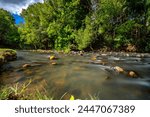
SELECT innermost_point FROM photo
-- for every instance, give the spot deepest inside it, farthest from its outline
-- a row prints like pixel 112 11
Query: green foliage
pixel 79 25
pixel 9 35
pixel 21 92
pixel 52 24
pixel 84 36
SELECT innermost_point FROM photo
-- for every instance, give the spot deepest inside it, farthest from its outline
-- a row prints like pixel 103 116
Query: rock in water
pixel 52 58
pixel 94 58
pixel 132 74
pixel 119 69
pixel 81 53
pixel 26 65
pixel 54 63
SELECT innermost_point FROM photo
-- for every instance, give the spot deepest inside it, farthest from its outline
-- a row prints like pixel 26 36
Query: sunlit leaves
pixel 82 24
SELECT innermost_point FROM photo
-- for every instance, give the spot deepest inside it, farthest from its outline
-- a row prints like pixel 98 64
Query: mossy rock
pixel 53 57
pixel 7 55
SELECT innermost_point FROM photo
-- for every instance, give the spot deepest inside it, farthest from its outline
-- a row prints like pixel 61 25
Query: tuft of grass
pixel 20 92
pixel 94 97
pixel 14 92
pixel 40 96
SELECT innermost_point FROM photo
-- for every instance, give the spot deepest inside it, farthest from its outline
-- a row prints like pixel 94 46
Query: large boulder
pixel 7 55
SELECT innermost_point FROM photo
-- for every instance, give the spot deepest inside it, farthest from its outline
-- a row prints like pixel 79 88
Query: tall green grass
pixel 20 92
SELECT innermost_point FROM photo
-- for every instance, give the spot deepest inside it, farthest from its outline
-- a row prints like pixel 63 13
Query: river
pixel 82 76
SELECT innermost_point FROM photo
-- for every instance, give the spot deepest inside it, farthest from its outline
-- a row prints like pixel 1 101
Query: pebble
pixel 104 54
pixel 26 65
pixel 52 58
pixel 119 69
pixel 138 55
pixel 54 63
pixel 93 58
pixel 132 74
pixel 127 55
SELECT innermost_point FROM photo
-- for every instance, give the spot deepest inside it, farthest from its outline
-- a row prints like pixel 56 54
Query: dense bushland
pixel 81 25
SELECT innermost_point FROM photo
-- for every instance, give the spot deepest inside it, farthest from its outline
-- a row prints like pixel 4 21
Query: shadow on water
pixel 80 76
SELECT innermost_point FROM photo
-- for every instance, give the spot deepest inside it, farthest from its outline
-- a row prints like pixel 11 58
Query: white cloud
pixel 16 7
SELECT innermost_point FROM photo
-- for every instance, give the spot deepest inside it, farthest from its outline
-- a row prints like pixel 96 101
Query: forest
pixel 118 25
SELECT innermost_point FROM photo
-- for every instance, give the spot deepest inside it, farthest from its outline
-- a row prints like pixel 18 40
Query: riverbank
pixel 7 55
pixel 95 52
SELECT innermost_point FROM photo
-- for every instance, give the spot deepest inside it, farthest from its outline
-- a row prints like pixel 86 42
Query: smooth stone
pixel 119 69
pixel 54 63
pixel 132 74
pixel 104 54
pixel 26 65
pixel 94 58
pixel 53 58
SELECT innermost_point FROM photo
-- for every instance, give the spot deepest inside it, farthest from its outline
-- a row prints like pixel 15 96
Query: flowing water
pixel 81 76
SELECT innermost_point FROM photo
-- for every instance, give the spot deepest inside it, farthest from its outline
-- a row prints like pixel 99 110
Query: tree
pixel 8 30
pixel 53 24
pixel 87 24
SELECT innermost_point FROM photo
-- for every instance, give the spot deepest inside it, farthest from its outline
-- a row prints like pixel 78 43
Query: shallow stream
pixel 92 74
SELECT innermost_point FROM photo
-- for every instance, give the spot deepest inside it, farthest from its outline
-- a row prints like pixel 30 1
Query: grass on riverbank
pixel 21 92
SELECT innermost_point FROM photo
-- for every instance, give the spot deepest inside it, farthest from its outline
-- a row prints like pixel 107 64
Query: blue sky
pixel 16 6
pixel 18 18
